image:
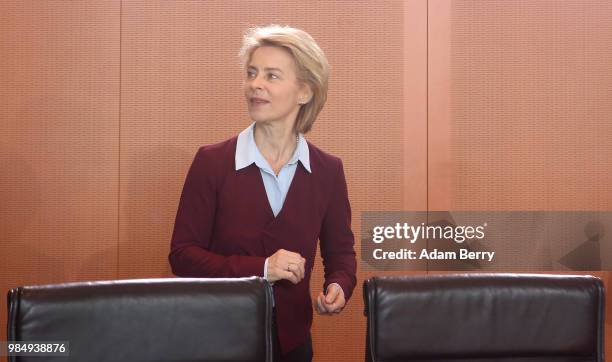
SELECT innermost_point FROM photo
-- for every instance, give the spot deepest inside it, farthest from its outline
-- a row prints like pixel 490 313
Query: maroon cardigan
pixel 225 228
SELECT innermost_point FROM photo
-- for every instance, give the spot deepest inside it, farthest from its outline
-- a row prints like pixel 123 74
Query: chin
pixel 256 118
pixel 259 118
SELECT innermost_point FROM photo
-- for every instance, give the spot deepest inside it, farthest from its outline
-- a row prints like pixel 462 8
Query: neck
pixel 275 141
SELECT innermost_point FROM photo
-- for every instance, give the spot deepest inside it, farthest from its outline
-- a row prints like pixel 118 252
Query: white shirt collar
pixel 248 153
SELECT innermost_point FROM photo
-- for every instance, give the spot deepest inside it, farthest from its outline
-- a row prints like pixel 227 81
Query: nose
pixel 255 82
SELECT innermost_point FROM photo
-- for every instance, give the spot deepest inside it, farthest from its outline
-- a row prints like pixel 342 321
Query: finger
pixel 298 260
pixel 293 278
pixel 301 270
pixel 296 265
pixel 326 305
pixel 332 294
pixel 284 274
pixel 296 272
pixel 320 308
pixel 337 306
pixel 321 304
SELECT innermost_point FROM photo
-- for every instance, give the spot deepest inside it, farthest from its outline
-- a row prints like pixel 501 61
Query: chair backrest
pixel 484 317
pixel 175 319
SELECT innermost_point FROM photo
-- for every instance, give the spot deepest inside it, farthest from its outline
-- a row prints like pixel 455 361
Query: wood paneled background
pixel 433 105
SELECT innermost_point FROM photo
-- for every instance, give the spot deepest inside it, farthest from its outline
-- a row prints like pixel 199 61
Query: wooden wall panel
pixel 414 143
pixel 520 97
pixel 58 142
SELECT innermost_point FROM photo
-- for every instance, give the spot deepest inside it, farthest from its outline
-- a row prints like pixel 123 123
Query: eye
pixel 273 76
pixel 251 74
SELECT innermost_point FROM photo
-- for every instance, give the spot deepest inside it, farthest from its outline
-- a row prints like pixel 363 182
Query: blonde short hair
pixel 312 65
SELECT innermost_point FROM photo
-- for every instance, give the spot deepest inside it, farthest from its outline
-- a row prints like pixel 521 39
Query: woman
pixel 256 204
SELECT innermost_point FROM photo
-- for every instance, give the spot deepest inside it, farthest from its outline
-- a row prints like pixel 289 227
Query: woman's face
pixel 272 90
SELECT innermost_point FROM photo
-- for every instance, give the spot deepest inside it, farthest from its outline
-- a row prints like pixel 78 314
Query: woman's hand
pixel 286 265
pixel 332 302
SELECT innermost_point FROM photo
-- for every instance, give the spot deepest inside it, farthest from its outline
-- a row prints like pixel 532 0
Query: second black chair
pixel 485 318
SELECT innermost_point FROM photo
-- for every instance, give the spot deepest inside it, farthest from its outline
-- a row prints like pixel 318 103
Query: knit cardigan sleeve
pixel 190 254
pixel 336 237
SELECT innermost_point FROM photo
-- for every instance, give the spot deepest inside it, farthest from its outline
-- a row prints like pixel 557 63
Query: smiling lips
pixel 258 101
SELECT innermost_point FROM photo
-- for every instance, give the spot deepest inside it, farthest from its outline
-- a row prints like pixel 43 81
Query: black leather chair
pixel 485 318
pixel 147 320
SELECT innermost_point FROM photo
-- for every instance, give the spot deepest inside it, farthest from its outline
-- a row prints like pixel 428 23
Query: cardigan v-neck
pixel 276 186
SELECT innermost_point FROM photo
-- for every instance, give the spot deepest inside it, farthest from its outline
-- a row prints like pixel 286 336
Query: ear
pixel 305 93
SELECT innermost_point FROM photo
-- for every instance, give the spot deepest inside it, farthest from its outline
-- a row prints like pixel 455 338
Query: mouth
pixel 257 101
